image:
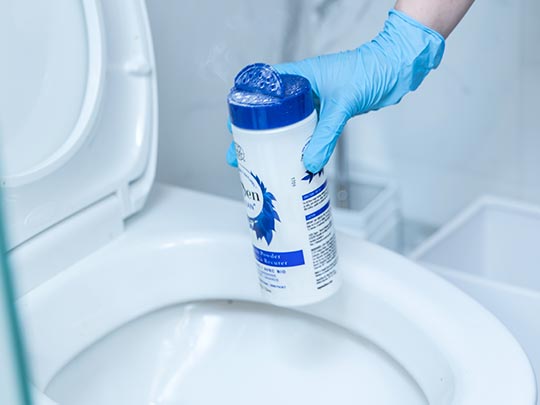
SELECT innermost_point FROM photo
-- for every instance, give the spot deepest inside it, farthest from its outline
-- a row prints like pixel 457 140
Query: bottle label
pixel 322 239
pixel 261 211
pixel 289 215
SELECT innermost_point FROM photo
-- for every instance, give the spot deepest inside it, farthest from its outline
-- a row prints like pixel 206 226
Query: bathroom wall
pixel 470 128
pixel 199 46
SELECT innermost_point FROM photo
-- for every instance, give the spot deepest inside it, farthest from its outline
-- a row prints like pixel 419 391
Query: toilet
pixel 131 292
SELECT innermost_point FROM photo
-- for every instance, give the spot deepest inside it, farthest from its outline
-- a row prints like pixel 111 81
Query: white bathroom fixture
pixel 163 307
pixel 373 211
pixel 490 251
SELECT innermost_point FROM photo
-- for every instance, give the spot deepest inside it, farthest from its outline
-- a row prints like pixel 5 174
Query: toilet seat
pixel 455 350
pixel 78 131
pixel 80 185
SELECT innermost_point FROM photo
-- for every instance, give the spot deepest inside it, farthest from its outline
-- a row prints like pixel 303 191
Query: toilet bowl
pixel 133 294
pixel 170 313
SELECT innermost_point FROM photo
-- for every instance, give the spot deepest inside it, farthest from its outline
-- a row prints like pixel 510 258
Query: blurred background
pixel 470 129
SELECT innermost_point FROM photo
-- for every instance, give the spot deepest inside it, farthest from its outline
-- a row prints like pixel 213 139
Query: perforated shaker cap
pixel 264 99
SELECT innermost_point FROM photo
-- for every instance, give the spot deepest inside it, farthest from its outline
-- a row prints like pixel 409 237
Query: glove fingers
pixel 231 156
pixel 293 68
pixel 303 68
pixel 321 146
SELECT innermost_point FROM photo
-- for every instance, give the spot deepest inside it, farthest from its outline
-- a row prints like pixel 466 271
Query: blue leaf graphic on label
pixel 309 176
pixel 262 214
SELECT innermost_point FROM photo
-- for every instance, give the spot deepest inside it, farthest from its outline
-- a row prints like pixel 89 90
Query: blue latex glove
pixel 375 75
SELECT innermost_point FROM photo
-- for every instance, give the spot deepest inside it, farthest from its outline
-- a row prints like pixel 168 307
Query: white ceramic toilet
pixel 163 307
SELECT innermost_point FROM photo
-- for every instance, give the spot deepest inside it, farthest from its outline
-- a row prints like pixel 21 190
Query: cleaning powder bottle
pixel 288 208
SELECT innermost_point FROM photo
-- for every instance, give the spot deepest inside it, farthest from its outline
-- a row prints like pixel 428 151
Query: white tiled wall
pixel 199 46
pixel 470 129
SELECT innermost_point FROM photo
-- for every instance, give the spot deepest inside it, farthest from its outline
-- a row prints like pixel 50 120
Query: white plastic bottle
pixel 288 208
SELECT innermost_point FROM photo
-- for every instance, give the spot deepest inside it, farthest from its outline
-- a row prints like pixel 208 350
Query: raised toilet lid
pixel 78 126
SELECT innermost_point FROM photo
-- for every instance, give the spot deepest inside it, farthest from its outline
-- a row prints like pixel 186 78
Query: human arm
pixel 439 15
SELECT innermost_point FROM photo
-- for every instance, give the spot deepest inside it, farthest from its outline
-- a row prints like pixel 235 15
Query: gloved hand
pixel 375 75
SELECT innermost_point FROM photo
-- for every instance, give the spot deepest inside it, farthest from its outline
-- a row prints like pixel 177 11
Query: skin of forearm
pixel 439 15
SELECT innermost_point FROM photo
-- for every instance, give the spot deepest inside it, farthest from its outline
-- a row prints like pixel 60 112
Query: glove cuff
pixel 430 38
pixel 406 51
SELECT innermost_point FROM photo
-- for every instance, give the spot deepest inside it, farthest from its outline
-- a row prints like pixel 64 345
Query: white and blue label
pixel 289 215
pixel 279 259
pixel 262 213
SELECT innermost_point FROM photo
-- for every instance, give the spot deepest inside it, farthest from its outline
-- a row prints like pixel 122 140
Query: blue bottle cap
pixel 264 99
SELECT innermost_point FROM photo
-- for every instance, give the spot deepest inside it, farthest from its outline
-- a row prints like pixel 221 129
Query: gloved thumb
pixel 332 119
pixel 292 68
pixel 302 68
